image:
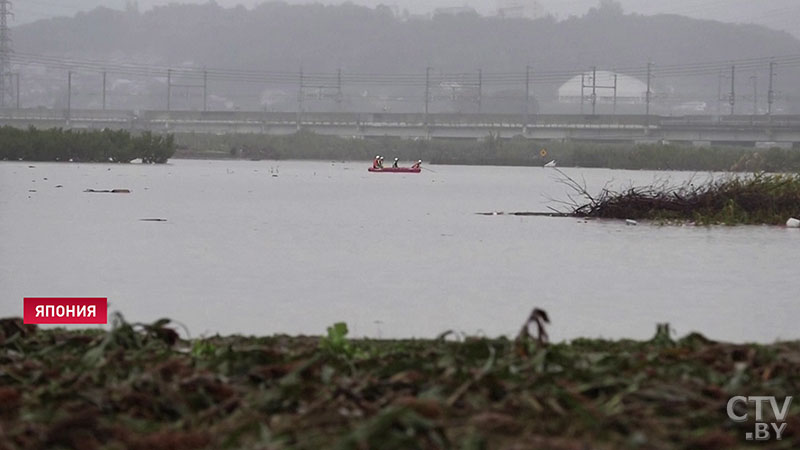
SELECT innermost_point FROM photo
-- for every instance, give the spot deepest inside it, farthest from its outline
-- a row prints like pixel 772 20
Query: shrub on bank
pixel 57 144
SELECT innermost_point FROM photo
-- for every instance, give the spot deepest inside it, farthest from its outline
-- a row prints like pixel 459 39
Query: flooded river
pixel 291 247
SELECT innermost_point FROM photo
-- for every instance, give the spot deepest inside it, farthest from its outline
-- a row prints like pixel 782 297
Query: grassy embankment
pixel 141 387
pixel 490 151
pixel 57 144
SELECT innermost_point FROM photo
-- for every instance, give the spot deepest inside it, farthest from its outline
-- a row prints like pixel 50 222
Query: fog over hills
pixel 357 39
pixel 776 14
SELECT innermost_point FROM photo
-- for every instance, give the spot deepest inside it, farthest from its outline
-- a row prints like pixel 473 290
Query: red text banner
pixel 65 310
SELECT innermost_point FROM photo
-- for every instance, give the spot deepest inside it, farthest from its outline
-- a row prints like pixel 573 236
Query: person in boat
pixel 417 164
pixel 380 162
pixel 394 164
pixel 376 161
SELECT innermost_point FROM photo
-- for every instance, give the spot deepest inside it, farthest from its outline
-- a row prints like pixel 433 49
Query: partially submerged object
pixel 551 163
pixel 793 223
pixel 109 191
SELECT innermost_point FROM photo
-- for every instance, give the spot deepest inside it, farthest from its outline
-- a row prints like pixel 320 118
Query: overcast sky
pixel 777 14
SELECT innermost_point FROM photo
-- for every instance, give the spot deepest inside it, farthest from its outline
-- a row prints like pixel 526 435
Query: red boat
pixel 396 169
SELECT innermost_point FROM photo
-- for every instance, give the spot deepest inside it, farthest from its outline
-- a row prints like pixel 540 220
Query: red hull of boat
pixel 395 170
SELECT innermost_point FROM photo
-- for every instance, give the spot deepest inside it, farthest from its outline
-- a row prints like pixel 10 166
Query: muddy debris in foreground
pixel 141 386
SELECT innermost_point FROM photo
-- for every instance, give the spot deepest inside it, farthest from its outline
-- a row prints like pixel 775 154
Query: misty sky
pixel 777 14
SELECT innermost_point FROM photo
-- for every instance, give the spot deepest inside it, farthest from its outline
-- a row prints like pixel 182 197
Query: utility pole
pixel 771 93
pixel 615 92
pixel 17 96
pixel 169 87
pixel 339 88
pixel 594 88
pixel 754 79
pixel 732 98
pixel 719 93
pixel 205 90
pixel 583 84
pixel 5 52
pixel 480 89
pixel 647 94
pixel 427 92
pixel 104 90
pixel 527 97
pixel 300 95
pixel 69 96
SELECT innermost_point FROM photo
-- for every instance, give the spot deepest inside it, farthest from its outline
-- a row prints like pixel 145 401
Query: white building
pixel 629 90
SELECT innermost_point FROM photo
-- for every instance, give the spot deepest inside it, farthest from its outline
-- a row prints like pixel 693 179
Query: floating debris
pixel 108 191
pixel 755 199
pixel 631 222
pixel 527 213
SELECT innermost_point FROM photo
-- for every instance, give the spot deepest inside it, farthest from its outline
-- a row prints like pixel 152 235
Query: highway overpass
pixel 777 130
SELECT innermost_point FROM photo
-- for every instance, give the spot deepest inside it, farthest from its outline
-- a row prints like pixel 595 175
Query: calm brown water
pixel 393 255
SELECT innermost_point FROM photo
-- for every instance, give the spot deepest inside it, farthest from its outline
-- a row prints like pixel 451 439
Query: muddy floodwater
pixel 262 247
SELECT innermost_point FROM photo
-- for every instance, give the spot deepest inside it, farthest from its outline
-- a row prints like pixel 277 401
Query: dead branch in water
pixel 756 199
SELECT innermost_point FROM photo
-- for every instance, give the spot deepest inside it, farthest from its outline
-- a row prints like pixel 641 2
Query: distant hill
pixel 277 36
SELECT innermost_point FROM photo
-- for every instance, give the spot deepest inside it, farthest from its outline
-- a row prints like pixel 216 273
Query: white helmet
pixel 396 159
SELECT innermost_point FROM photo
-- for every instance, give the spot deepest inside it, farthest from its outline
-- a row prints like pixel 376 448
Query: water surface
pixel 393 255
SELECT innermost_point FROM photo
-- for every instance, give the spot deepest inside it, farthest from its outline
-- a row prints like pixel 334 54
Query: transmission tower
pixel 5 53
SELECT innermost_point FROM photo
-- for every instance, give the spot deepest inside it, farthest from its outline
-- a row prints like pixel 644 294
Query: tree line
pixel 57 144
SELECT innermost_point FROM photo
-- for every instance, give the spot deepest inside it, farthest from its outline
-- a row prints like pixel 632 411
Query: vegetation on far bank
pixel 57 144
pixel 490 151
pixel 140 386
pixel 742 199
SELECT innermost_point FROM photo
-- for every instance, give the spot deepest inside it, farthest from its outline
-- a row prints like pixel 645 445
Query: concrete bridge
pixel 776 130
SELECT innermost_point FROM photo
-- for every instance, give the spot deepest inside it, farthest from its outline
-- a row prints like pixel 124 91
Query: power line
pixel 466 79
pixel 463 86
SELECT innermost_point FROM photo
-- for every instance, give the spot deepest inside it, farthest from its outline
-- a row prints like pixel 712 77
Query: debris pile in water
pixel 755 199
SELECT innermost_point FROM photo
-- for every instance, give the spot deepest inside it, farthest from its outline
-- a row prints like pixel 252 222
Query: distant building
pixel 629 90
pixel 517 9
pixel 454 10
